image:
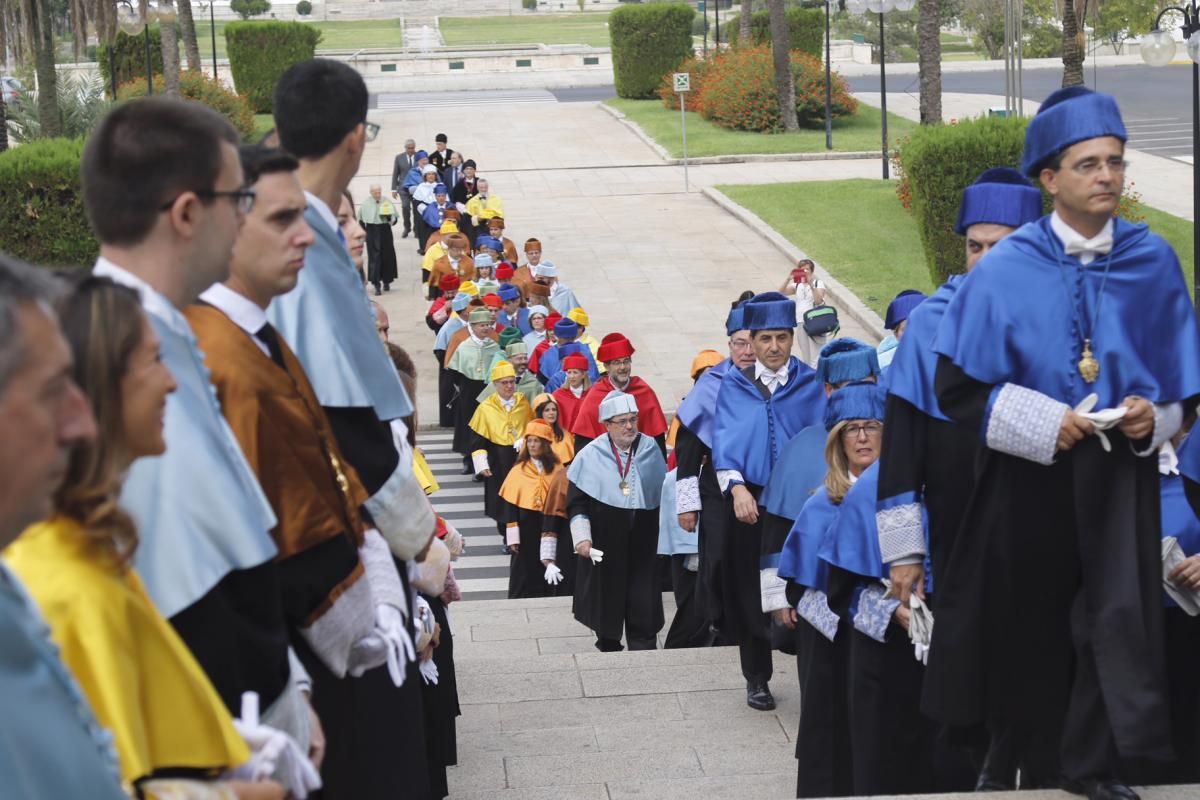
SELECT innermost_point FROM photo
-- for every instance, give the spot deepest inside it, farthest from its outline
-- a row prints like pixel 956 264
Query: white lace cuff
pixel 581 529
pixel 773 590
pixel 1025 423
pixel 402 512
pixel 901 534
pixel 814 609
pixel 512 534
pixel 349 618
pixel 381 572
pixel 687 495
pixel 479 461
pixel 548 550
pixel 728 478
pixel 1168 419
pixel 875 609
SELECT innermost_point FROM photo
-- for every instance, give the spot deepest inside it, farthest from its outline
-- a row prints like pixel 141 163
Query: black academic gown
pixel 1049 612
pixel 440 701
pixel 464 408
pixel 446 396
pixel 381 254
pixel 501 458
pixel 622 592
pixel 694 459
pixel 526 575
pixel 369 720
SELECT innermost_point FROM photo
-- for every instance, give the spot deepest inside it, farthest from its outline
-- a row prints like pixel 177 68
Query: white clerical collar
pixel 1075 243
pixel 153 301
pixel 242 311
pixel 323 211
pixel 578 392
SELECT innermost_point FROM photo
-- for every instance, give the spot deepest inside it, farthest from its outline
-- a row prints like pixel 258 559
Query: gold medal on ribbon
pixel 624 485
pixel 1089 367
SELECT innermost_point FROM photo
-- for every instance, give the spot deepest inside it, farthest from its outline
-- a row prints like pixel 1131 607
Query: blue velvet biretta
pixel 460 301
pixel 860 400
pixel 508 292
pixel 736 321
pixel 769 311
pixel 484 260
pixel 999 196
pixel 439 188
pixel 1069 116
pixel 900 307
pixel 421 154
pixel 847 359
pixel 490 243
pixel 566 329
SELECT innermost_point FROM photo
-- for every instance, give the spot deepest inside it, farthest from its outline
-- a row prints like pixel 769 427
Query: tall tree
pixel 785 84
pixel 1073 42
pixel 187 26
pixel 170 49
pixel 929 58
pixel 79 22
pixel 744 19
pixel 3 128
pixel 39 33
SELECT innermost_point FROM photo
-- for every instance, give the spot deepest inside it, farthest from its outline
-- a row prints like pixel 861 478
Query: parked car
pixel 10 88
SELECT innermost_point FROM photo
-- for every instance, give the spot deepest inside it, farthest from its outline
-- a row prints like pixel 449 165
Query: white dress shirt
pixel 1076 244
pixel 772 379
pixel 242 311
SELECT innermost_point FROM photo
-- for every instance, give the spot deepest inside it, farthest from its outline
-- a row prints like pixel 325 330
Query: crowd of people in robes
pixel 222 575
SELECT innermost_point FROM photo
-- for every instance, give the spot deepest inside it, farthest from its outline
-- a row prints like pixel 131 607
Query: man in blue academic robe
pixel 1071 348
pixel 759 409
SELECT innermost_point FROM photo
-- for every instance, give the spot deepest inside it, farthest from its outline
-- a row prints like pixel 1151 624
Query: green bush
pixel 131 56
pixel 648 40
pixel 41 204
pixel 304 8
pixel 260 52
pixel 696 66
pixel 203 89
pixel 806 29
pixel 529 5
pixel 249 8
pixel 938 162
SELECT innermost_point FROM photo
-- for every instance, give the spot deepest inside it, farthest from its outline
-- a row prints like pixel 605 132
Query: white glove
pixel 554 575
pixel 390 642
pixel 920 627
pixel 518 444
pixel 454 541
pixel 274 755
pixel 596 555
pixel 1102 420
pixel 429 672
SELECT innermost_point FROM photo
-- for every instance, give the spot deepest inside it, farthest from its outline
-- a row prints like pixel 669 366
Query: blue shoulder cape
pixel 799 562
pixel 1012 318
pixel 434 215
pixel 697 409
pixel 328 323
pixel 550 361
pixel 452 326
pixel 672 539
pixel 800 470
pixel 910 375
pixel 521 321
pixel 852 542
pixel 594 471
pixel 751 431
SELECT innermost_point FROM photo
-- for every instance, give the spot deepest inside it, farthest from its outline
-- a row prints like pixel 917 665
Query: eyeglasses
pixel 739 344
pixel 628 422
pixel 506 382
pixel 871 429
pixel 372 130
pixel 243 198
pixel 1090 166
pixel 621 362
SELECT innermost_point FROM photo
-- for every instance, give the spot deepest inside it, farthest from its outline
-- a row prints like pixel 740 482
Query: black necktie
pixel 266 334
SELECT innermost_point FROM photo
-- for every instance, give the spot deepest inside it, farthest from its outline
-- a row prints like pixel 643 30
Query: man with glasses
pixel 321 110
pixel 616 353
pixel 613 493
pixel 1072 348
pixel 759 409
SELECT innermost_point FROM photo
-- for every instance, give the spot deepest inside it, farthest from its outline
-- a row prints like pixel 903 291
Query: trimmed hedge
pixel 260 52
pixel 648 40
pixel 41 204
pixel 203 89
pixel 938 162
pixel 130 57
pixel 806 29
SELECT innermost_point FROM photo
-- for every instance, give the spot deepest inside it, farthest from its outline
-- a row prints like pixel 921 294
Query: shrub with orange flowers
pixel 696 66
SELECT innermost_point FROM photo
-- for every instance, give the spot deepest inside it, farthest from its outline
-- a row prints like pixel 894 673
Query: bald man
pixel 377 215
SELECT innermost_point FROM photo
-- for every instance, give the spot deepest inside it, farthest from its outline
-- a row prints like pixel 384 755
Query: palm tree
pixel 929 57
pixel 39 32
pixel 785 84
pixel 744 21
pixel 3 128
pixel 1073 44
pixel 170 48
pixel 187 26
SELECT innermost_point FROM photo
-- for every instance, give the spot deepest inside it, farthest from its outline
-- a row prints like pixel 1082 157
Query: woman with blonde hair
pixel 535 502
pixel 146 687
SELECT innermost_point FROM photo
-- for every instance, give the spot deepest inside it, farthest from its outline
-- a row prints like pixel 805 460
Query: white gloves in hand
pixel 920 627
pixel 1103 419
pixel 275 755
pixel 454 541
pixel 518 444
pixel 596 555
pixel 554 575
pixel 429 672
pixel 390 642
pixel 1186 598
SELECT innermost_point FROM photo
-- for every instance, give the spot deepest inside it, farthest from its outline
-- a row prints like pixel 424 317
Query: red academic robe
pixel 650 416
pixel 568 406
pixel 537 353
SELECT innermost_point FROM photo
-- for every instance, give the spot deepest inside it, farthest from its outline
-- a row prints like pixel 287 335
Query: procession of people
pixel 223 575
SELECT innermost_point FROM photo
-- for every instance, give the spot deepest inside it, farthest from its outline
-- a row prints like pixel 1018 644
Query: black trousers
pixel 755 655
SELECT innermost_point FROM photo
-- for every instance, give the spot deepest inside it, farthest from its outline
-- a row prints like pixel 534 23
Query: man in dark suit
pixel 400 168
pixel 453 172
pixel 466 187
pixel 440 157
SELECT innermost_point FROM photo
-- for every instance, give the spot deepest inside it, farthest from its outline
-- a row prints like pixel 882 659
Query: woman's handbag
pixel 821 320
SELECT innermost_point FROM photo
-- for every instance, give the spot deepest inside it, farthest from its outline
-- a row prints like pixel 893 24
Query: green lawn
pixel 336 35
pixel 527 28
pixel 860 132
pixel 884 257
pixel 262 124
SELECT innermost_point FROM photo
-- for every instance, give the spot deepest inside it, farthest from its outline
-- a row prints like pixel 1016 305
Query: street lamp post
pixel 881 7
pixel 212 32
pixel 132 24
pixel 1157 49
pixel 828 85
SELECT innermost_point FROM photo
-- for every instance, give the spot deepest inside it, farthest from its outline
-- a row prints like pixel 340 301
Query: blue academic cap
pixel 999 196
pixel 736 320
pixel 421 154
pixel 508 292
pixel 1069 116
pixel 566 329
pixel 901 306
pixel 769 311
pixel 859 400
pixel 484 260
pixel 439 188
pixel 847 359
pixel 460 301
pixel 490 243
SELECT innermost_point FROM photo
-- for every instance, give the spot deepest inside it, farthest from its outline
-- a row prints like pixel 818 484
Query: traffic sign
pixel 683 81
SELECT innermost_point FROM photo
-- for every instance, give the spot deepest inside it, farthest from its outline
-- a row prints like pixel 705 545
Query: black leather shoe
pixel 999 770
pixel 406 233
pixel 1099 789
pixel 759 697
pixel 466 470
